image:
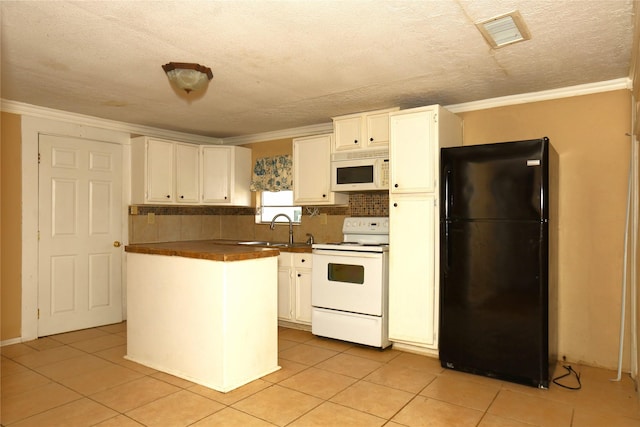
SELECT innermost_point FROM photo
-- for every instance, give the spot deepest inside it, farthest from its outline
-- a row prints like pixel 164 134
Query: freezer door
pixel 505 181
pixel 494 302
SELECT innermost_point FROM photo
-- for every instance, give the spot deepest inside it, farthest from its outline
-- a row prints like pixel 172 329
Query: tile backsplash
pixel 149 223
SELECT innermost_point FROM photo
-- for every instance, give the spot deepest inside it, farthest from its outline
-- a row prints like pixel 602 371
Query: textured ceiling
pixel 286 64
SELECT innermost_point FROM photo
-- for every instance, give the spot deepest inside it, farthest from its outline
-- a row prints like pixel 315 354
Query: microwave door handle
pixel 383 171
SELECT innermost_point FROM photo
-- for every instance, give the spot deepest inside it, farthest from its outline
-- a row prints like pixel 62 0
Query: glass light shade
pixel 188 77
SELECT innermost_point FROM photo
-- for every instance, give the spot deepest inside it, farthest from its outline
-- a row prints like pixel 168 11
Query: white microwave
pixel 360 171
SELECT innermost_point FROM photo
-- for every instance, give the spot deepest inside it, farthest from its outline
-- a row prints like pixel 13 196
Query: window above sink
pixel 273 203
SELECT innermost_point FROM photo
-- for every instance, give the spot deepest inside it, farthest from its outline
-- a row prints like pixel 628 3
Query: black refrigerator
pixel 497 270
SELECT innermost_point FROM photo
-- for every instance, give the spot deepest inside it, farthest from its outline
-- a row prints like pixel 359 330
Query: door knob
pixel 116 244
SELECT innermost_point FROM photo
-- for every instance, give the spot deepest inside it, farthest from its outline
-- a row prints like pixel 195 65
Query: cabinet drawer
pixel 302 260
pixel 285 260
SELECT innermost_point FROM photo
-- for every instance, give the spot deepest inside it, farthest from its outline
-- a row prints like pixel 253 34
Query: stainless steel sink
pixel 274 244
pixel 257 243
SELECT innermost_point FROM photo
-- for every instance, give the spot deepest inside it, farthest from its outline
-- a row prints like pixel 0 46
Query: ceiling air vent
pixel 504 29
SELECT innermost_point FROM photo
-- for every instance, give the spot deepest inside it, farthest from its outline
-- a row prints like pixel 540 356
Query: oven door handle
pixel 354 254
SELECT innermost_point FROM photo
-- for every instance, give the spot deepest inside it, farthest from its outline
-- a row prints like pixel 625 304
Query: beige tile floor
pixel 81 379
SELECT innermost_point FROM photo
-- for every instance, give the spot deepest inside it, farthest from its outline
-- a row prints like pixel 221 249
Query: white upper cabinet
pixel 168 172
pixel 226 175
pixel 163 172
pixel 413 147
pixel 312 172
pixel 416 138
pixel 187 163
pixel 160 174
pixel 362 130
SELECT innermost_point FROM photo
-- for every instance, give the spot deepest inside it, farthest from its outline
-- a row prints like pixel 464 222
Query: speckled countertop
pixel 215 250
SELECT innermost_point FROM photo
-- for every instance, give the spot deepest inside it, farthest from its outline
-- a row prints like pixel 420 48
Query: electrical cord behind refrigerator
pixel 569 372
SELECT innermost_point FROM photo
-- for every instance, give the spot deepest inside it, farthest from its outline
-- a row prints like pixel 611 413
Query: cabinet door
pixel 285 311
pixel 413 312
pixel 303 295
pixel 160 171
pixel 348 133
pixel 216 174
pixel 285 286
pixel 187 173
pixel 413 152
pixel 311 170
pixel 377 126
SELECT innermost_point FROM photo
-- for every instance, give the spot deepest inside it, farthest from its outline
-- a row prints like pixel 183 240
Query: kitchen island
pixel 203 311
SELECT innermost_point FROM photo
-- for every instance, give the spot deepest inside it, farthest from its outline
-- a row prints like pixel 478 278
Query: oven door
pixel 348 280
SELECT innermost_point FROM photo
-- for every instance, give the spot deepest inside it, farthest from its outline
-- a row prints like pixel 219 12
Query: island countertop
pixel 204 249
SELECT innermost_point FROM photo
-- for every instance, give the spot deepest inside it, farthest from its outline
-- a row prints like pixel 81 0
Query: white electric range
pixel 350 284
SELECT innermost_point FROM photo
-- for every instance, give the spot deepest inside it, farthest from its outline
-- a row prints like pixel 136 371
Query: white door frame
pixel 31 128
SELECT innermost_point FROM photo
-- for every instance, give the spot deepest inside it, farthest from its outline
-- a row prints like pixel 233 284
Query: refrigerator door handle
pixel 447 201
pixel 448 248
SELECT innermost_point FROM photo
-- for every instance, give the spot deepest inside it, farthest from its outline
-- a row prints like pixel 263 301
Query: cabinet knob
pixel 324 195
pixel 168 196
pixel 299 274
pixel 355 141
pixel 395 205
pixel 395 185
pixel 182 197
pixel 302 260
pixel 371 139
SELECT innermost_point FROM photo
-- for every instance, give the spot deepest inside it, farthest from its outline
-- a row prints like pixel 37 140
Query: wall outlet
pixel 134 210
pixel 323 218
pixel 151 218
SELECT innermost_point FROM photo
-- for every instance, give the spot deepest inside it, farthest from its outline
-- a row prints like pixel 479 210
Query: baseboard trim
pixel 11 341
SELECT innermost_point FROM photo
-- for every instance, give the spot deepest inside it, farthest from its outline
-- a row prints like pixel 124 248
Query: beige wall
pixel 635 75
pixel 10 218
pixel 270 148
pixel 589 134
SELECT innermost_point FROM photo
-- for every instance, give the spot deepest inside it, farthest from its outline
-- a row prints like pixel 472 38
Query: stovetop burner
pixel 365 234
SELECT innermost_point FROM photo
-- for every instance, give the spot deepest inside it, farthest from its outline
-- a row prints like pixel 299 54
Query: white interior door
pixel 79 252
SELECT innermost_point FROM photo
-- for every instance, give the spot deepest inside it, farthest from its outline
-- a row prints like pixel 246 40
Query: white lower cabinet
pixel 302 279
pixel 285 267
pixel 413 308
pixel 294 287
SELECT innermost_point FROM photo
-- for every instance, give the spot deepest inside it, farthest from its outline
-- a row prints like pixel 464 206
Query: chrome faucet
pixel 273 226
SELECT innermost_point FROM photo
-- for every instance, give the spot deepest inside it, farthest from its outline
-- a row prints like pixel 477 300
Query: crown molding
pixel 43 112
pixel 81 119
pixel 280 134
pixel 634 72
pixel 546 95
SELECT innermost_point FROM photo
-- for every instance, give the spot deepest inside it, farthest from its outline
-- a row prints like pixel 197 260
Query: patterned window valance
pixel 272 174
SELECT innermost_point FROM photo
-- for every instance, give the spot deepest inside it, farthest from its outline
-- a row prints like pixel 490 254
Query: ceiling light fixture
pixel 186 76
pixel 504 29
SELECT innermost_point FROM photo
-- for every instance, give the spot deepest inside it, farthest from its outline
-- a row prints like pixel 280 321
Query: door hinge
pixel 38 157
pixel 38 235
pixel 38 313
pixel 435 118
